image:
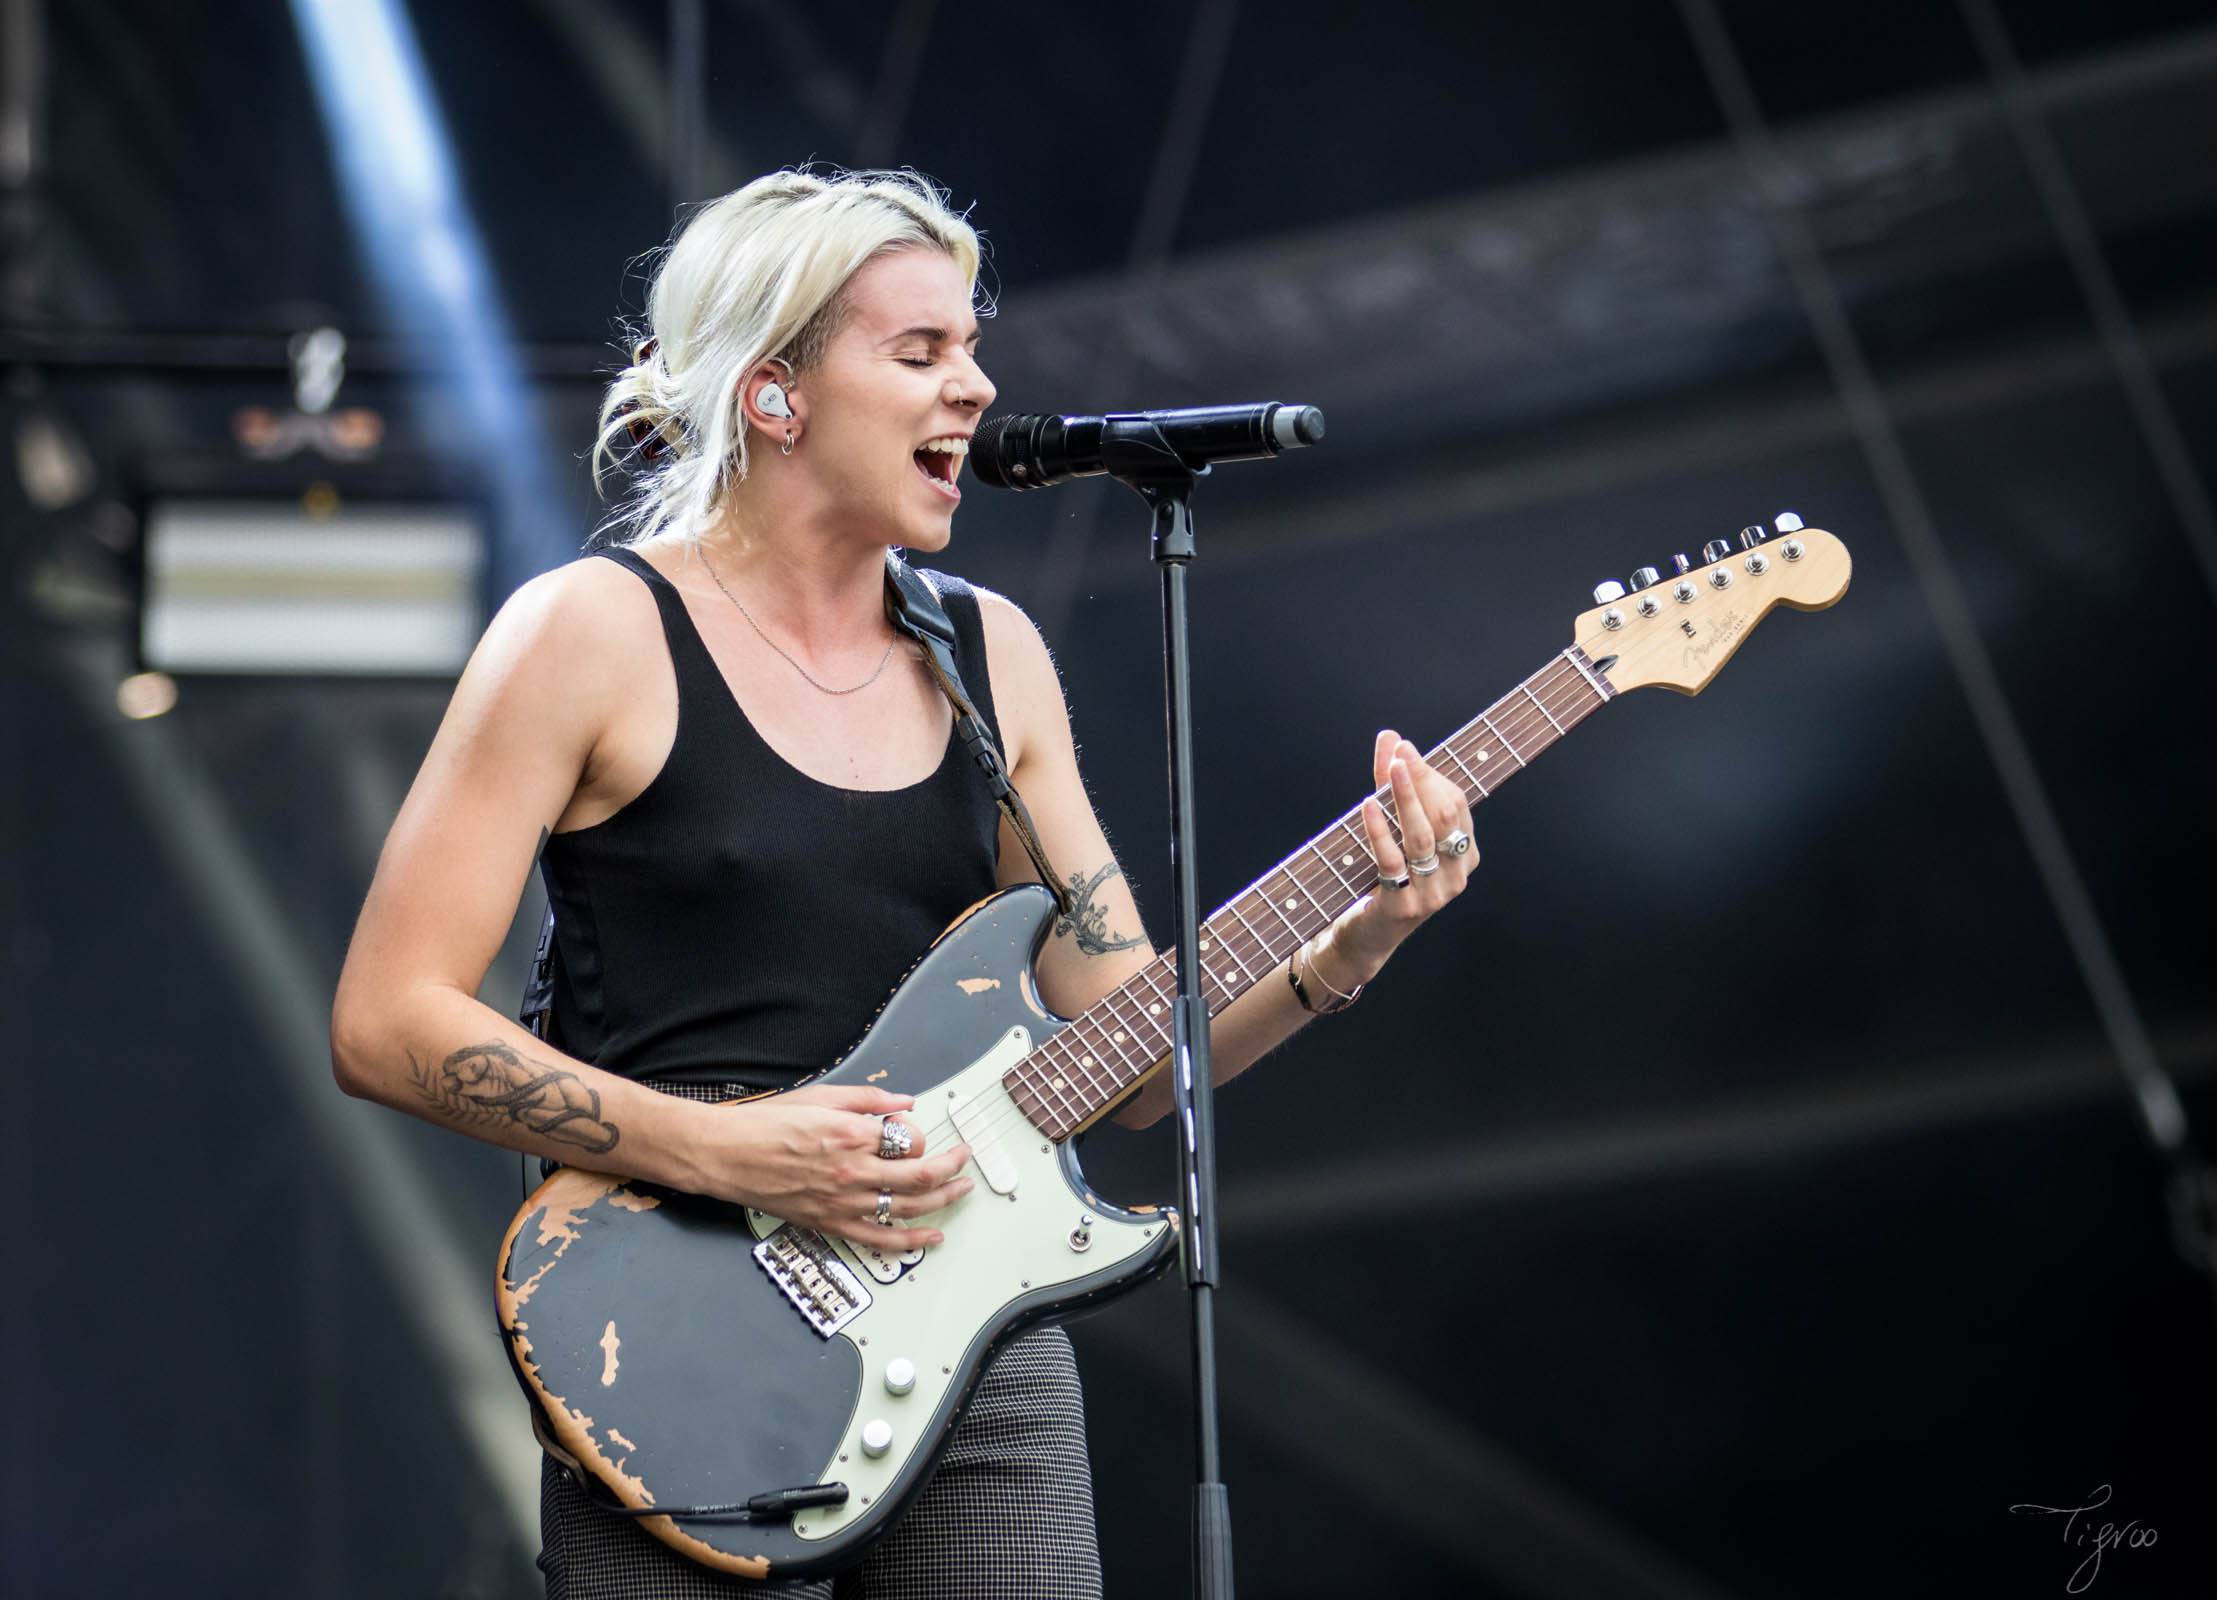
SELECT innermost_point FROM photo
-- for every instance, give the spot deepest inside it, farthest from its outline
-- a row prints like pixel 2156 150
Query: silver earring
pixel 787 448
pixel 772 399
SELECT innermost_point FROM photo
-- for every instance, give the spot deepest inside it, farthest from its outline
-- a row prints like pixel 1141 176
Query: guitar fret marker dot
pixel 1154 1010
pixel 1118 1036
pixel 1348 859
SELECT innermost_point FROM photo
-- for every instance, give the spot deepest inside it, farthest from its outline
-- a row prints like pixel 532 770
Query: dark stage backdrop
pixel 1735 1194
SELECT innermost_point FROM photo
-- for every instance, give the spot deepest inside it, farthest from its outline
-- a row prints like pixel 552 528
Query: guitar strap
pixel 912 606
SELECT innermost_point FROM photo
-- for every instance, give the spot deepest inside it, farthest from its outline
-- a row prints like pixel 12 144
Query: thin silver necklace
pixel 780 649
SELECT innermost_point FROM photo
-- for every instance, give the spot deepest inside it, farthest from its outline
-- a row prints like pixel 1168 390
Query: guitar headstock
pixel 1678 631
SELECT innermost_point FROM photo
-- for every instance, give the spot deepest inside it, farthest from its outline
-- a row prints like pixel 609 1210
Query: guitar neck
pixel 1078 1075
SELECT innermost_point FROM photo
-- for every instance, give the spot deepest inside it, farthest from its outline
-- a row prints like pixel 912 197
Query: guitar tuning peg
pixel 1646 578
pixel 1607 590
pixel 1787 522
pixel 1750 537
pixel 1682 564
pixel 1714 550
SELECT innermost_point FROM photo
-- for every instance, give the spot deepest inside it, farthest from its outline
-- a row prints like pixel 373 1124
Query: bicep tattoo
pixel 492 1085
pixel 1087 919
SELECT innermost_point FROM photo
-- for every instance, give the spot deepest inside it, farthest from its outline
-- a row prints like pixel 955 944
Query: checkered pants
pixel 1007 1516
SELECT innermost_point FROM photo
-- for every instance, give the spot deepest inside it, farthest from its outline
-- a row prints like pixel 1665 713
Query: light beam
pixel 427 261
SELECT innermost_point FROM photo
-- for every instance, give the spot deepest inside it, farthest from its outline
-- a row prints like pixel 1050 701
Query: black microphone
pixel 1031 452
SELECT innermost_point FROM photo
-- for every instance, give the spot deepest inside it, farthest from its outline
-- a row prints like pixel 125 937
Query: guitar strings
pixel 1523 721
pixel 1152 978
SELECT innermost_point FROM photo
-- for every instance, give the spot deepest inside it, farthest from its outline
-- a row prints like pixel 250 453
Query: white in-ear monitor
pixel 772 399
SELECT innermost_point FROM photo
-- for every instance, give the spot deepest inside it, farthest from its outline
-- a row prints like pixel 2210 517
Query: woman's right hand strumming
pixel 810 1156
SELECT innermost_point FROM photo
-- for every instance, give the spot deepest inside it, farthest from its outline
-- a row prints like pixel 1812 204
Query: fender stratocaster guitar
pixel 770 1399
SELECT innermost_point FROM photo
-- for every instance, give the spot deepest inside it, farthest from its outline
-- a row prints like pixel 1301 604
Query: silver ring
pixel 894 1139
pixel 1401 882
pixel 884 1218
pixel 1457 843
pixel 1426 867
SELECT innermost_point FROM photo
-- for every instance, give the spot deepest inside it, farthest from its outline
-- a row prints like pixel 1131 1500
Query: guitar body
pixel 682 1366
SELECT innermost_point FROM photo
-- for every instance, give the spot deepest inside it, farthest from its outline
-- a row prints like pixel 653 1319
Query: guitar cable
pixel 779 1505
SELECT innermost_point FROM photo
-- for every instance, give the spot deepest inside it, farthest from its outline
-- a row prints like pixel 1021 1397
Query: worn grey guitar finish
pixel 770 1399
pixel 692 1353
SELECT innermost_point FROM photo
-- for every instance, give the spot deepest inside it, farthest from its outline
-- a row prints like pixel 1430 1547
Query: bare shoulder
pixel 593 607
pixel 592 599
pixel 565 643
pixel 1012 637
pixel 1027 689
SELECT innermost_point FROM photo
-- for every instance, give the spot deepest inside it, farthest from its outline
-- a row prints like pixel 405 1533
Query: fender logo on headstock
pixel 1729 627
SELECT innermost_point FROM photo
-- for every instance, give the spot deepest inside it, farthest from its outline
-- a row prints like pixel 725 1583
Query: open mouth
pixel 940 461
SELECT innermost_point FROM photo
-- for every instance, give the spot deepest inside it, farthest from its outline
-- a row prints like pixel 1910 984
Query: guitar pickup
pixel 881 1266
pixel 823 1288
pixel 973 1122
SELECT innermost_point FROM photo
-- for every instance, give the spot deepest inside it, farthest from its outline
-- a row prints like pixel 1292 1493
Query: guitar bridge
pixel 822 1288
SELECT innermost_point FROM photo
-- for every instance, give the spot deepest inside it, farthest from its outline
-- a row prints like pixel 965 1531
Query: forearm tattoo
pixel 491 1085
pixel 1088 919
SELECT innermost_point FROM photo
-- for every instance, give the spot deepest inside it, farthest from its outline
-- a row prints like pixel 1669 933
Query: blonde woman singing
pixel 743 792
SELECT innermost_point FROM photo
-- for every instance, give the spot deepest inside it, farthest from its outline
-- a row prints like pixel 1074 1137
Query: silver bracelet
pixel 1301 993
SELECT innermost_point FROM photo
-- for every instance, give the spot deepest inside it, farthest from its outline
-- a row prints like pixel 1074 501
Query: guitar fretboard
pixel 1081 1072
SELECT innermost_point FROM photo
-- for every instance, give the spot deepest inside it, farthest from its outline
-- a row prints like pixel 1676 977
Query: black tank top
pixel 739 922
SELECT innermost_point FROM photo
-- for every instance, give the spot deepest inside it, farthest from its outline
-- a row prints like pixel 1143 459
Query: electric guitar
pixel 769 1399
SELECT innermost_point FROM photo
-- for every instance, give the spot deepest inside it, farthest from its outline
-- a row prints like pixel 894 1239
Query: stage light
pixel 312 584
pixel 50 460
pixel 402 192
pixel 146 694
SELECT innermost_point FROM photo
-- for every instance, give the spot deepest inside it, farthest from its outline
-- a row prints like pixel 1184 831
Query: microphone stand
pixel 1165 482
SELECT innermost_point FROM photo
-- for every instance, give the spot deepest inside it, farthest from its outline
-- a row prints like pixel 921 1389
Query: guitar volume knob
pixel 900 1375
pixel 877 1437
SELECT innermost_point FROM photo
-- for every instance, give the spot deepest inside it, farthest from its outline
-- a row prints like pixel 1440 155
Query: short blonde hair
pixel 757 275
